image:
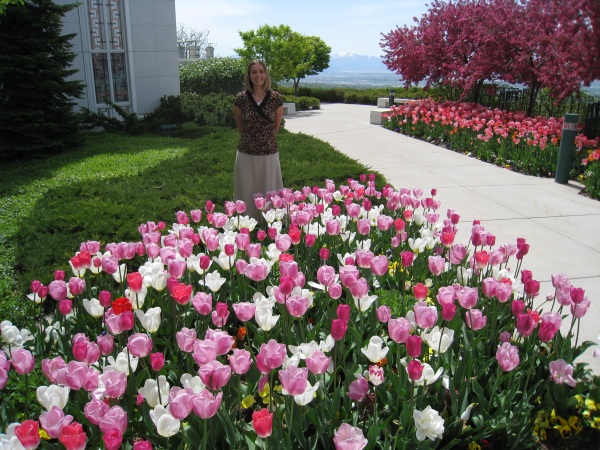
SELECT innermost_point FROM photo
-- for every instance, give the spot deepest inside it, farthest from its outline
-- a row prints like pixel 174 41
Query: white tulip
pixel 53 395
pixel 166 425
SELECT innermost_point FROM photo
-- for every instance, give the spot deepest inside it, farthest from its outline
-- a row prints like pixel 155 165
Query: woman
pixel 258 112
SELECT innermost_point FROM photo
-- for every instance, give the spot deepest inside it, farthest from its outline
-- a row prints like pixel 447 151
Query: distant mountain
pixel 351 62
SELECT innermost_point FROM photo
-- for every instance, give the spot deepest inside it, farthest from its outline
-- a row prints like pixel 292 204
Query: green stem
pixel 204 435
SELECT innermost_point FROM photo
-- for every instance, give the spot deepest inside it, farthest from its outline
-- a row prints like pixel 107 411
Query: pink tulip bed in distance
pixel 349 318
pixel 509 139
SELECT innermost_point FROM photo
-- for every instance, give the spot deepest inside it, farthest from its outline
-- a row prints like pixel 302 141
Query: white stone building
pixel 126 52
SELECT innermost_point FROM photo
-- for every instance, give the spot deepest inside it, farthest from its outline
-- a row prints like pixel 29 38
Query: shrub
pixel 303 103
pixel 212 109
pixel 591 178
pixel 210 76
pixel 169 111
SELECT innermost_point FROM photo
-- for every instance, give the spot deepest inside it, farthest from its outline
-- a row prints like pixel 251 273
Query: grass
pixel 113 183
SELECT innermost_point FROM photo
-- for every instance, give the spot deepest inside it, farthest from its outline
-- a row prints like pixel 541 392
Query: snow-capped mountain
pixel 351 62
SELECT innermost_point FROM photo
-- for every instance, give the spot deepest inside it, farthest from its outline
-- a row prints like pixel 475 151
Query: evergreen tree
pixel 36 94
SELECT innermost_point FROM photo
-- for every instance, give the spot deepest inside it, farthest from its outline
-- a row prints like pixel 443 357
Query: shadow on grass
pixel 110 210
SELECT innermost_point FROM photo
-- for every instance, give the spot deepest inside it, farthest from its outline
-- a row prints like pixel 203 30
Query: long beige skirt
pixel 255 175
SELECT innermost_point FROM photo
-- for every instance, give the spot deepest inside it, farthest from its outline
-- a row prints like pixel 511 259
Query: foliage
pixel 288 54
pixel 463 43
pixel 168 112
pixel 507 139
pixel 212 76
pixel 129 122
pixel 47 203
pixel 190 333
pixel 591 175
pixel 36 106
pixel 353 95
pixel 5 3
pixel 211 109
pixel 303 103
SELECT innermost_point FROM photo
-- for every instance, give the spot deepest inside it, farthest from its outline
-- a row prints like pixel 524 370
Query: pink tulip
pixel 425 316
pixel 297 305
pixel 399 329
pixel 206 405
pixel 65 306
pixel 349 275
pixel 22 361
pixel 142 445
pixel 240 361
pixel 112 439
pixel 448 312
pixel 457 253
pixel 384 313
pixel 413 345
pixel 467 297
pixel 181 402
pixel 507 356
pixel 204 351
pixel 358 389
pixel 376 375
pixel 106 343
pixel 76 285
pixel 293 380
pixel 562 372
pixel 50 367
pixel 360 289
pixel 323 254
pixel 517 307
pixel 202 303
pixel 186 339
pixel 525 324
pixel 488 286
pixel 58 290
pixel 115 383
pixel 114 419
pixel 105 298
pixel 347 437
pixel 578 310
pixel 214 374
pixel 139 344
pixel 407 258
pixel 110 264
pixel 503 291
pixel 446 295
pixel 475 319
pixel 326 275
pixel 80 376
pixel 415 369
pixel 436 265
pixel 283 242
pixel 270 356
pixel 256 271
pixel 363 227
pixel 95 410
pixel 220 315
pixel 338 329
pixel 420 291
pixel 157 361
pixel 334 291
pixel 379 265
pixel 318 362
pixel 550 323
pixel 54 420
pixel 363 258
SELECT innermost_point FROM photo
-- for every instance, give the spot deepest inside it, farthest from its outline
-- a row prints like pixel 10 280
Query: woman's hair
pixel 248 81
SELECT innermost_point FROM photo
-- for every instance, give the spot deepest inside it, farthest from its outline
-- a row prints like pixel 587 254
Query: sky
pixel 353 26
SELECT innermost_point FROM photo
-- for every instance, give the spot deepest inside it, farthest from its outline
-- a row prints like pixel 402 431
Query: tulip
pixel 413 346
pixel 271 355
pixel 244 310
pixel 181 402
pixel 415 369
pixel 28 434
pixel 106 343
pixel 562 372
pixel 54 420
pixel 293 380
pixel 399 329
pixel 114 419
pixel 166 425
pixel 425 316
pixel 384 313
pixel 22 361
pixel 338 329
pixel 115 383
pixel 347 437
pixel 214 374
pixel 112 439
pixel 475 319
pixel 376 375
pixel 240 361
pixel 262 422
pixel 94 410
pixel 206 405
pixel 139 344
pixel 375 351
pixel 157 361
pixel 507 356
pixel 73 437
pixel 202 303
pixel 318 362
pixel 142 445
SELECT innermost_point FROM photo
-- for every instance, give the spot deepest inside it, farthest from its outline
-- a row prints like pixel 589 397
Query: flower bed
pixel 509 139
pixel 351 319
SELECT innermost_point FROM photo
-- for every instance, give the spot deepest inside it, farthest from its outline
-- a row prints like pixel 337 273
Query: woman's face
pixel 258 75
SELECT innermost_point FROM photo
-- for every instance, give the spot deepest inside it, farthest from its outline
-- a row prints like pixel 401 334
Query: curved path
pixel 562 226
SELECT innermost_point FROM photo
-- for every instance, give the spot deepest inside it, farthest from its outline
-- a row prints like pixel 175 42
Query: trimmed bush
pixel 211 76
pixel 212 109
pixel 303 103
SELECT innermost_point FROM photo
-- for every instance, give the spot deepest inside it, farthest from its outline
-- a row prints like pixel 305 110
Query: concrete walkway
pixel 562 226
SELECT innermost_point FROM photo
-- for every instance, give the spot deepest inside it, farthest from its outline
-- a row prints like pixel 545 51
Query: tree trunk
pixel 296 83
pixel 533 92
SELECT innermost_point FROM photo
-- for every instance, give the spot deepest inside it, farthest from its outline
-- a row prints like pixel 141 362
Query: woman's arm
pixel 278 117
pixel 237 114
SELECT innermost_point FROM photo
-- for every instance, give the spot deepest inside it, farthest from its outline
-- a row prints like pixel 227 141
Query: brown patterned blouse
pixel 258 130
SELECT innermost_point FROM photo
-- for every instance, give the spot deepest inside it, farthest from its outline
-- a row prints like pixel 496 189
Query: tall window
pixel 108 51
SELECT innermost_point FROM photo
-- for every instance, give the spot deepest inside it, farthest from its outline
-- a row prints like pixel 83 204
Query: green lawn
pixel 105 189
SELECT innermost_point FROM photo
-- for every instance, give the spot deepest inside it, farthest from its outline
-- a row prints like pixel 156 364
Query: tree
pixel 5 3
pixel 463 43
pixel 36 95
pixel 191 37
pixel 288 54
